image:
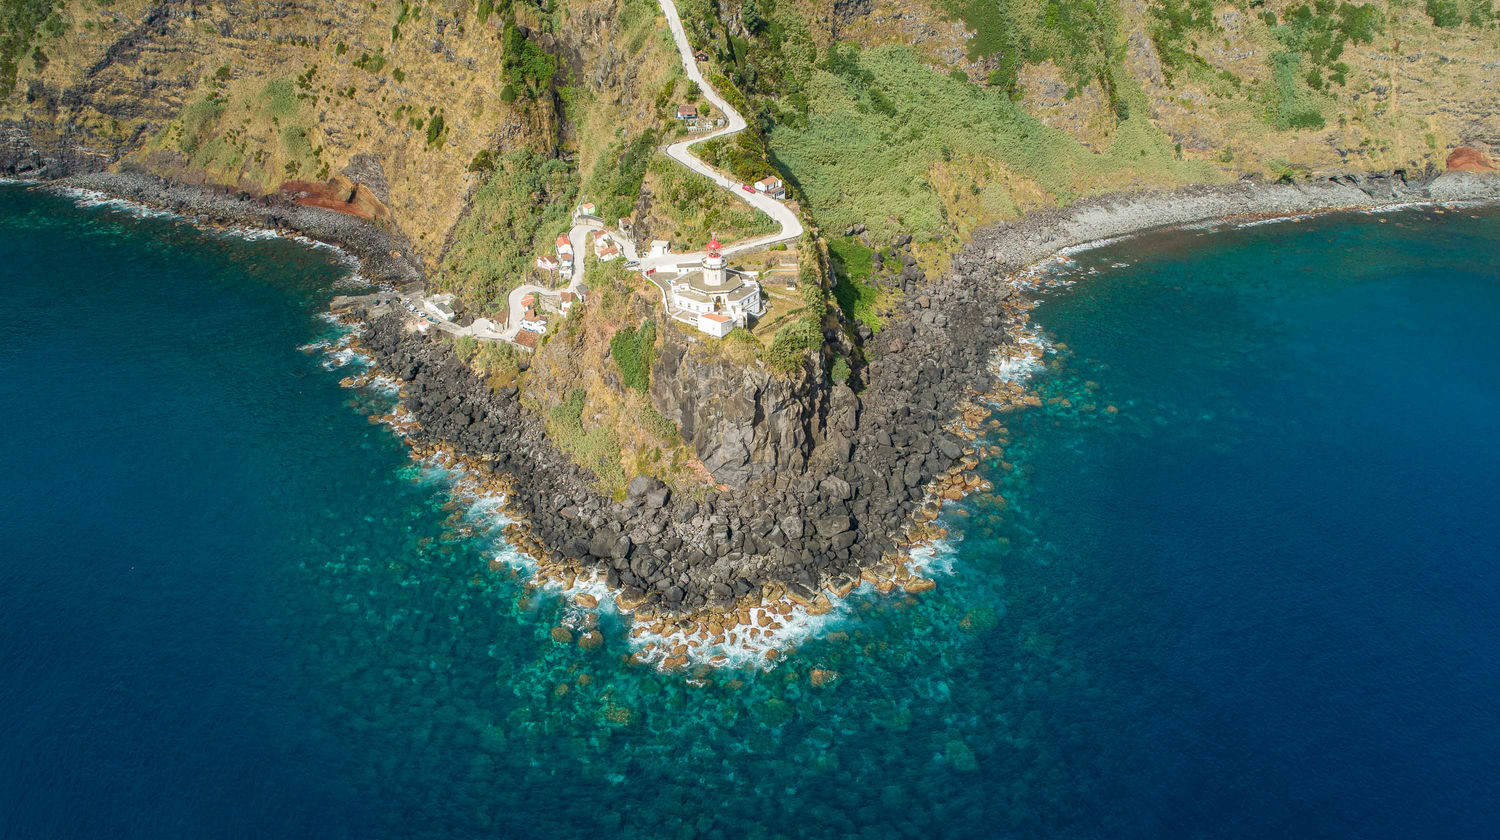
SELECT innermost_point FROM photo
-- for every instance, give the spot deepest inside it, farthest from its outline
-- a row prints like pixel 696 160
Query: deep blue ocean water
pixel 1256 600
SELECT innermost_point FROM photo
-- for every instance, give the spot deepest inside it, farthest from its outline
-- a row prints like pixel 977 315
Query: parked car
pixel 747 188
pixel 632 263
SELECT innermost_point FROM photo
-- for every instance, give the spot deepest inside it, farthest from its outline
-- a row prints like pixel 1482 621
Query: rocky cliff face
pixel 398 98
pixel 743 421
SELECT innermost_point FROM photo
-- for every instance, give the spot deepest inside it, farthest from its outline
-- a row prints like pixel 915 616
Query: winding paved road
pixel 791 226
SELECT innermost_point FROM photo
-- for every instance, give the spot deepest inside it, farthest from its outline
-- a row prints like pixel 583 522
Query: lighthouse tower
pixel 713 264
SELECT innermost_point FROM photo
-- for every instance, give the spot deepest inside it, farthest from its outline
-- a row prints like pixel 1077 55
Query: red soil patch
pixel 1466 159
pixel 339 195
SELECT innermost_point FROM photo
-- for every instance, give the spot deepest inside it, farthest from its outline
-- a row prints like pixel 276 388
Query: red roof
pixel 527 339
pixel 562 239
pixel 713 244
pixel 714 316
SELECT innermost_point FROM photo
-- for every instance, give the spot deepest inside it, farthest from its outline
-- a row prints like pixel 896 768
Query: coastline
pixel 698 576
pixel 384 255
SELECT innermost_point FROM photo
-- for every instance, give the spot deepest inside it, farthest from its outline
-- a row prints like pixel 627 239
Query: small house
pixel 586 209
pixel 527 340
pixel 546 263
pixel 532 321
pixel 715 324
pixel 772 186
pixel 687 113
pixel 659 247
pixel 605 248
pixel 441 308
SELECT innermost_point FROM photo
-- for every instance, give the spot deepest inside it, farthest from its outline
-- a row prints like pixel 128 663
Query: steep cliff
pixel 742 420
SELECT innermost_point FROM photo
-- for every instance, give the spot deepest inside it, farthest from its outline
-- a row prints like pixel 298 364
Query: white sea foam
pixel 94 198
pixel 934 558
pixel 743 649
pixel 343 357
pixel 1091 245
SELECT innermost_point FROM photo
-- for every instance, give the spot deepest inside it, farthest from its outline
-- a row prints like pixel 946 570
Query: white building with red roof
pixel 715 324
pixel 772 186
pixel 716 289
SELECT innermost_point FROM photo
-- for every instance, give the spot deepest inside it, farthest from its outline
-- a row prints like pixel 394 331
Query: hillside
pixel 474 127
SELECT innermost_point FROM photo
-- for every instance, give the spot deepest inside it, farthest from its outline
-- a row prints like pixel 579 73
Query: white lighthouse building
pixel 720 296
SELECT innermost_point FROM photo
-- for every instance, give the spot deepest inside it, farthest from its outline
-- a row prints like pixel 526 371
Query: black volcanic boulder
pixel 830 525
pixel 642 485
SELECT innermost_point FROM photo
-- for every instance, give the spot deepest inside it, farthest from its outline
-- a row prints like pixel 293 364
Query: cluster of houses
pixel 538 307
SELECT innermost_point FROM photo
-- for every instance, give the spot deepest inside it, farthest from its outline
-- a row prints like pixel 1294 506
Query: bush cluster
pixel 634 351
pixel 615 183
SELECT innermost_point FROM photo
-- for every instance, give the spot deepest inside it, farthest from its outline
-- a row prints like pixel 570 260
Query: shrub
pixel 525 63
pixel 633 351
pixel 483 162
pixel 840 372
pixel 465 346
pixel 371 63
pixel 1445 13
pixel 19 22
pixel 512 217
pixel 792 342
pixel 497 361
pixel 852 263
pixel 1172 23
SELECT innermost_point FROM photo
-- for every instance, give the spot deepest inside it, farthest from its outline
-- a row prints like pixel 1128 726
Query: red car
pixel 747 188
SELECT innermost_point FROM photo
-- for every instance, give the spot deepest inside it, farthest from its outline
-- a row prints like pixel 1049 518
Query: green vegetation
pixel 198 122
pixel 1076 34
pixel 633 351
pixel 741 155
pixel 597 448
pixel 852 263
pixel 1313 36
pixel 615 183
pixel 1451 13
pixel 373 63
pixel 526 64
pixel 859 164
pixel 840 372
pixel 1172 24
pixel 20 21
pixel 437 131
pixel 483 162
pixel 793 342
pixel 513 217
pixel 697 207
pixel 497 362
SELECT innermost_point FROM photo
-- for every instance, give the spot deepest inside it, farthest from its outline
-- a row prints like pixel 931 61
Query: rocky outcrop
pixel 742 421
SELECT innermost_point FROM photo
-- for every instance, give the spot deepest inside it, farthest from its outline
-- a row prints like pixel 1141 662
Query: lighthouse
pixel 713 264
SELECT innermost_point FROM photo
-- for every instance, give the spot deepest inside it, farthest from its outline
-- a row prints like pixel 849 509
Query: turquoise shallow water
pixel 1258 600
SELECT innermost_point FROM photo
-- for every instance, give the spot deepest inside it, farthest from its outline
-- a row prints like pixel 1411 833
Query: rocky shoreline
pixel 695 570
pixel 384 254
pixel 704 572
